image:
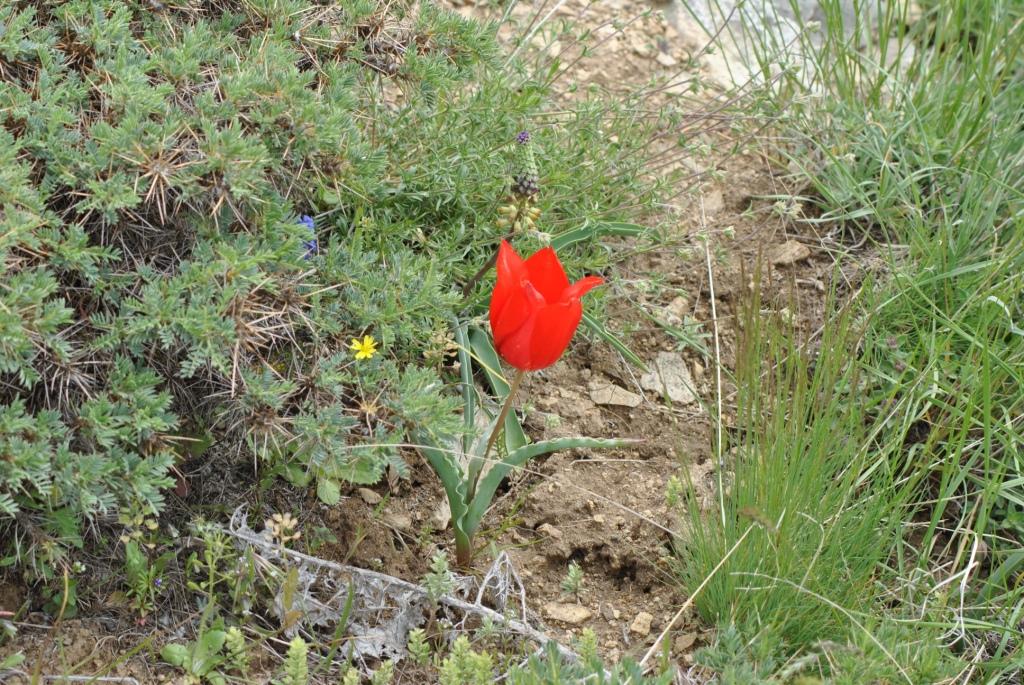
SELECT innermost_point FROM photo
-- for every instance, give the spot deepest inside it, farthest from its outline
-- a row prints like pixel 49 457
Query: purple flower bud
pixel 159 582
pixel 312 248
pixel 311 245
pixel 523 137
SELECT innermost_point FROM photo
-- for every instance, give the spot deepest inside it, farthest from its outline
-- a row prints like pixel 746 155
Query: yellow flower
pixel 365 349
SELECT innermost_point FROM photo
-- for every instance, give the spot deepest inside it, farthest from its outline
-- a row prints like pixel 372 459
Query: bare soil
pixel 605 511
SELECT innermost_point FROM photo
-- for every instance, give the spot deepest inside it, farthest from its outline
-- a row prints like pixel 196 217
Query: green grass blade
pixel 598 329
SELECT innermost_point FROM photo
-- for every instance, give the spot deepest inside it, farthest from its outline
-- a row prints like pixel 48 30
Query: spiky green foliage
pixel 158 290
pixel 295 670
pixel 550 668
pixel 463 666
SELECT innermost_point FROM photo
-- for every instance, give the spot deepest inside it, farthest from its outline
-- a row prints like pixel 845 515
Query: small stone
pixel 608 612
pixel 677 307
pixel 666 60
pixel 608 394
pixel 550 531
pixel 670 376
pixel 598 518
pixel 641 625
pixel 640 47
pixel 698 371
pixel 369 496
pixel 789 252
pixel 684 642
pixel 573 614
pixel 441 516
pixel 399 521
pixel 714 202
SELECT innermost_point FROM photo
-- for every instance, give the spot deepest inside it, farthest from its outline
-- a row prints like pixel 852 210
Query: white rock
pixel 441 516
pixel 573 614
pixel 666 60
pixel 641 625
pixel 608 394
pixel 670 376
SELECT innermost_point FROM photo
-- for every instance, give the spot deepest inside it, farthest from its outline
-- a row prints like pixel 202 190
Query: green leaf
pixel 487 358
pixel 610 338
pixel 205 654
pixel 297 475
pixel 448 470
pixel 468 388
pixel 328 491
pixel 590 231
pixel 175 655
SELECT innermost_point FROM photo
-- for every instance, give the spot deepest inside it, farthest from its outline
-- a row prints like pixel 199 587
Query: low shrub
pixel 203 204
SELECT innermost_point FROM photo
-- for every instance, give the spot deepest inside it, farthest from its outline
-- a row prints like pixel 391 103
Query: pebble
pixel 670 376
pixel 677 307
pixel 789 252
pixel 441 516
pixel 698 371
pixel 550 531
pixel 666 60
pixel 573 614
pixel 613 395
pixel 640 47
pixel 369 496
pixel 641 625
pixel 399 521
pixel 684 642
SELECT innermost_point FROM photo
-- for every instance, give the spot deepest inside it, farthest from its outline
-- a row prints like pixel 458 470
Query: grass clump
pixel 907 133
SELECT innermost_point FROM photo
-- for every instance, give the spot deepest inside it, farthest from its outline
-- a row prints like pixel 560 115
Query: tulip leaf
pixel 487 357
pixel 598 328
pixel 492 479
pixel 589 231
pixel 468 388
pixel 447 468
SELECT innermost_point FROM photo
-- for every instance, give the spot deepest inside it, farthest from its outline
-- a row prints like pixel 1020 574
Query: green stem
pixel 463 548
pixel 498 426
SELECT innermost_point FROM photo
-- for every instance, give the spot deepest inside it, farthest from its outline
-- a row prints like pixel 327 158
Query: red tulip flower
pixel 534 308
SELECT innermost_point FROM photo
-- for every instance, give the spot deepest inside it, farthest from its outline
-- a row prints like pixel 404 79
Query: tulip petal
pixel 520 308
pixel 547 275
pixel 511 273
pixel 581 288
pixel 553 328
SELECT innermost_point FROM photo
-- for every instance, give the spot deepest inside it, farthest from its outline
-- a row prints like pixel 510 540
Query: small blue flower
pixel 523 137
pixel 159 582
pixel 311 245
